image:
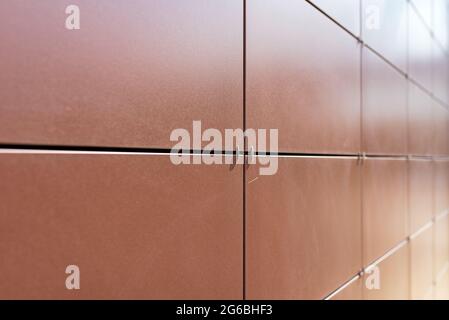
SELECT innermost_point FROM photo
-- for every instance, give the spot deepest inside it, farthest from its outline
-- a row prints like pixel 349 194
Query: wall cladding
pixel 115 217
pixel 128 77
pixel 363 178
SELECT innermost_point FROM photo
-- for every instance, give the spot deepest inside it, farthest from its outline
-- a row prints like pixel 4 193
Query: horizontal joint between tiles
pixel 442 273
pixel 421 230
pixel 93 150
pixel 428 28
pixel 386 255
pixel 428 93
pixel 441 215
pixel 343 286
pixel 103 151
pixel 386 60
pixel 420 158
pixel 386 157
pixel 334 21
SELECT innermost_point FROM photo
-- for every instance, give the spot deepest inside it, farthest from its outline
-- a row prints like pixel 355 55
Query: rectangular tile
pixel 420 117
pixel 393 278
pixel 137 226
pixel 420 188
pixel 441 187
pixel 441 245
pixel 440 130
pixel 384 206
pixel 424 9
pixel 430 294
pixel 442 287
pixel 385 29
pixel 421 265
pixel 440 73
pixel 440 21
pixel 303 228
pixel 294 83
pixel 128 77
pixel 384 107
pixel 420 51
pixel 345 12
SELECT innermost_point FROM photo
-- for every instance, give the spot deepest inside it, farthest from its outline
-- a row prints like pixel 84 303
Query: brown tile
pixel 420 51
pixel 303 228
pixel 295 85
pixel 138 227
pixel 440 72
pixel 441 187
pixel 442 287
pixel 353 291
pixel 345 12
pixel 441 245
pixel 421 267
pixel 421 126
pixel 128 77
pixel 430 294
pixel 384 206
pixel 420 200
pixel 385 29
pixel 384 107
pixel 394 275
pixel 441 130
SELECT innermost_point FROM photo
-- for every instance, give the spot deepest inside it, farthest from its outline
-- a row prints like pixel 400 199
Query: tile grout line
pixel 386 60
pixel 388 254
pixel 440 274
pixel 342 287
pixel 366 269
pixel 428 28
pixel 421 230
pixel 441 215
pixel 332 19
pixel 362 147
pixel 36 149
pixel 406 74
pixel 408 148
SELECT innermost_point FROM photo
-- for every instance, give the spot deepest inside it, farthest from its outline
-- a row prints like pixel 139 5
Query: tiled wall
pixel 363 179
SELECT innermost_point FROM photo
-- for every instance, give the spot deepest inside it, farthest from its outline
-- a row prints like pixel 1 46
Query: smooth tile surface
pixel 352 292
pixel 441 130
pixel 345 12
pixel 421 265
pixel 394 273
pixel 441 187
pixel 384 92
pixel 384 206
pixel 441 245
pixel 138 227
pixel 385 29
pixel 421 122
pixel 440 73
pixel 442 287
pixel 440 21
pixel 424 9
pixel 128 77
pixel 420 51
pixel 295 85
pixel 420 193
pixel 300 222
pixel 335 78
